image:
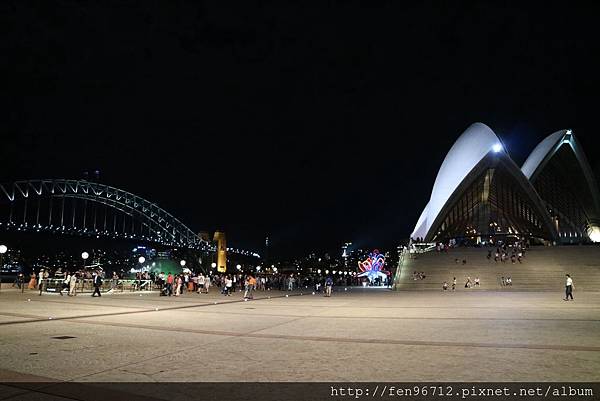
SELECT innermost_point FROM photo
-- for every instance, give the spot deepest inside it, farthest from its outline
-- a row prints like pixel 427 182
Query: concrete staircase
pixel 542 269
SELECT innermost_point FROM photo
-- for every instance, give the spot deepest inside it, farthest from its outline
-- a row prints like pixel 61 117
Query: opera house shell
pixel 480 194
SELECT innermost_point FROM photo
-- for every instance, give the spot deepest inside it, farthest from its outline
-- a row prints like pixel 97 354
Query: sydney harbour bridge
pixel 91 209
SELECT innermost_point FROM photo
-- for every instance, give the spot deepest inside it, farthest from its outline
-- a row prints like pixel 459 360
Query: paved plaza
pixel 356 335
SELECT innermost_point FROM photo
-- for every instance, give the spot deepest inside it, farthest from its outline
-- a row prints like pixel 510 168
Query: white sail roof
pixel 472 146
pixel 537 156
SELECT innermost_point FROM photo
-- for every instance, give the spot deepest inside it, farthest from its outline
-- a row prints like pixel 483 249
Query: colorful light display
pixel 372 268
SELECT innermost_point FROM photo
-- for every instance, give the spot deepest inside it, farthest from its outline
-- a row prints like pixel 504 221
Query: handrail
pixel 87 285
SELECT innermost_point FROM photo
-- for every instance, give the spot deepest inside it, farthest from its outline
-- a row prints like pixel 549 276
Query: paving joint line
pixel 142 311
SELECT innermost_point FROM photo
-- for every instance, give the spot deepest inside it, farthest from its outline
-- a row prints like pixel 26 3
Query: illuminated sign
pixel 372 268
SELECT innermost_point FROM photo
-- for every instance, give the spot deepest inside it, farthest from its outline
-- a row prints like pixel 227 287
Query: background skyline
pixel 323 124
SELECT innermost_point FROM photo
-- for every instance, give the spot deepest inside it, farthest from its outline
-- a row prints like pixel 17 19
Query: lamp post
pixel 3 250
pixel 84 256
pixel 182 264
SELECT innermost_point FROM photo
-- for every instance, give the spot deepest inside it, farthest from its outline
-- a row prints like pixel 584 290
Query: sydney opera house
pixel 480 194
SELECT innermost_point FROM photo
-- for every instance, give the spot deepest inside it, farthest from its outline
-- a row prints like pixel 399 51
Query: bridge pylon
pixel 219 237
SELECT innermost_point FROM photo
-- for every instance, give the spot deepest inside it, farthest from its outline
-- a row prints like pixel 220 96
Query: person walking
pixel 114 281
pixel 73 285
pixel 201 281
pixel 65 284
pixel 41 281
pixel 170 280
pixel 228 286
pixel 569 288
pixel 328 286
pixel 454 284
pixel 97 281
pixel 206 284
pixel 32 282
pixel 176 291
pixel 250 284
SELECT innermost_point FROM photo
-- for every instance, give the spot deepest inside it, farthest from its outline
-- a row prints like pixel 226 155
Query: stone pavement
pixel 356 335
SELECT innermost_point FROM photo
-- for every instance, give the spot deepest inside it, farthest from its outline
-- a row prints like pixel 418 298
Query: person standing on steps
pixel 454 284
pixel 569 288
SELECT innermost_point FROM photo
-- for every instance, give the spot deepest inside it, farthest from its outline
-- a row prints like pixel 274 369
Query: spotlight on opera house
pixel 481 195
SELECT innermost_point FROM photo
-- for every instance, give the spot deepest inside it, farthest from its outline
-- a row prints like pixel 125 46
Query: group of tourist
pixel 67 280
pixel 177 284
pixel 468 283
pixel 418 276
pixel 503 254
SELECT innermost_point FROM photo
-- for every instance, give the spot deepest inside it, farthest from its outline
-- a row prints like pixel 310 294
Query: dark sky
pixel 315 125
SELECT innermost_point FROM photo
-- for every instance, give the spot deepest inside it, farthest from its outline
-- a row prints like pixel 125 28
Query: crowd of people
pixel 502 254
pixel 169 284
pixel 418 276
pixel 228 284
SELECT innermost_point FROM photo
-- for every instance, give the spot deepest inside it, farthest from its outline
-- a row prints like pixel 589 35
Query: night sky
pixel 312 125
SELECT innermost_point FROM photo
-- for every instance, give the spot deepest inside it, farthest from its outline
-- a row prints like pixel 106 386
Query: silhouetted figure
pixel 569 288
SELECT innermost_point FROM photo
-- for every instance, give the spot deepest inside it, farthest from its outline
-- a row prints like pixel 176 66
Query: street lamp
pixel 84 256
pixel 239 267
pixel 182 263
pixel 257 268
pixel 213 265
pixel 141 260
pixel 3 250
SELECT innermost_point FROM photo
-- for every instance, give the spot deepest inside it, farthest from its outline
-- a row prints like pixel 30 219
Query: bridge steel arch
pixel 153 222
